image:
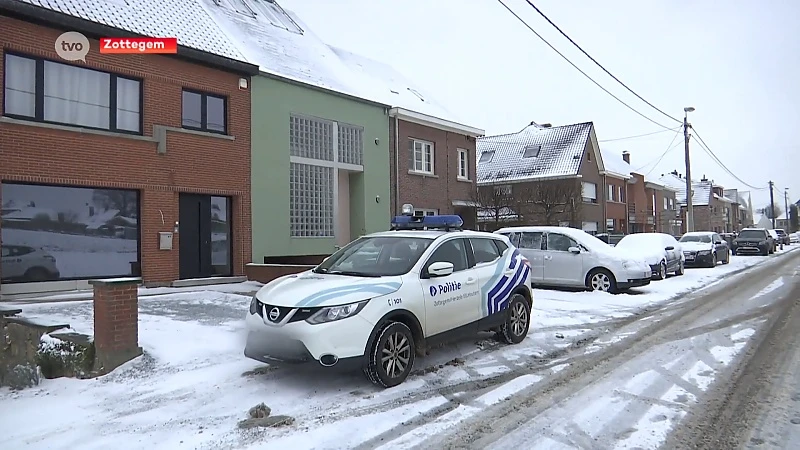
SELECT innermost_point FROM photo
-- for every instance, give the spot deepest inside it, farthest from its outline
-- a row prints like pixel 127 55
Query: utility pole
pixel 689 206
pixel 772 204
pixel 786 205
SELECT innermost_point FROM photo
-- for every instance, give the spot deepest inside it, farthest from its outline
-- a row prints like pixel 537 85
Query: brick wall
pixel 431 192
pixel 616 206
pixel 590 173
pixel 192 163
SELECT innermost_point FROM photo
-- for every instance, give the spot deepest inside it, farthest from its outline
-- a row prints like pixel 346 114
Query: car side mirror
pixel 575 250
pixel 668 248
pixel 440 269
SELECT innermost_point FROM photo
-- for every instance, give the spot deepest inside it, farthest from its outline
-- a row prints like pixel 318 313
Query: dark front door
pixel 194 236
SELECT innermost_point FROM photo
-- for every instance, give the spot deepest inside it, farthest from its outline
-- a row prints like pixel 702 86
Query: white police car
pixel 388 296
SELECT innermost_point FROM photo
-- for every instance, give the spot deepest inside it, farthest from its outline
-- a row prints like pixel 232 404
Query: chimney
pixel 675 172
pixel 704 179
pixel 546 125
pixel 533 123
pixel 626 156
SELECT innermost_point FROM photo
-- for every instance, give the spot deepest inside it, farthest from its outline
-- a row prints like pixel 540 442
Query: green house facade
pixel 319 170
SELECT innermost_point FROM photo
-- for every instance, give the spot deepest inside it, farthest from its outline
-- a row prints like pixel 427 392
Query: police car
pixel 386 297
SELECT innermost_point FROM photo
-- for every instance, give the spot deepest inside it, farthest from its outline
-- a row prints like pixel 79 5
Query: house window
pixel 310 200
pixel 531 151
pixel 654 204
pixel 666 203
pixel 351 144
pixel 611 192
pixel 47 91
pixel 563 224
pixel 463 165
pixel 589 192
pixel 68 233
pixel 486 156
pixel 421 156
pixel 204 112
pixel 502 190
pixel 610 224
pixel 590 227
pixel 311 138
pixel 420 212
pixel 622 194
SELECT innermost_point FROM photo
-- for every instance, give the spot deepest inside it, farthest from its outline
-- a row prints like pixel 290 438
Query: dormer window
pixel 486 156
pixel 532 151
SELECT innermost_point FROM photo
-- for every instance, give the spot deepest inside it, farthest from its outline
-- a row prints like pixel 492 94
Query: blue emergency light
pixel 445 222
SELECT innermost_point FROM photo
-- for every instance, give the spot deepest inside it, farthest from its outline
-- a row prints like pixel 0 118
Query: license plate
pixel 689 258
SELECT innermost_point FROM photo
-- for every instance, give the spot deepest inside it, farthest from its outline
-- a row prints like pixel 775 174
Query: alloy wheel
pixel 395 355
pixel 600 282
pixel 519 319
pixel 662 271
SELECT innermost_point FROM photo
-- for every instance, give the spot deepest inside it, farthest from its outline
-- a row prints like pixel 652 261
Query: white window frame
pixel 425 212
pixel 590 227
pixel 563 224
pixel 610 224
pixel 592 198
pixel 463 164
pixel 611 192
pixel 504 189
pixel 622 194
pixel 423 157
pixel 308 224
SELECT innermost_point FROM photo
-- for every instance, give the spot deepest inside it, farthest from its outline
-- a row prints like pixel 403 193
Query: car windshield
pixel 752 234
pixel 780 232
pixel 704 238
pixel 641 239
pixel 375 257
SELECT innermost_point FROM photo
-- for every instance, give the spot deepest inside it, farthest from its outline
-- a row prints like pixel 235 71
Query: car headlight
pixel 253 305
pixel 334 313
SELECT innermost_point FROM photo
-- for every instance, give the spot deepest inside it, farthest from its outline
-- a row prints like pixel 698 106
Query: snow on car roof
pixel 698 233
pixel 636 238
pixel 584 238
pixel 429 234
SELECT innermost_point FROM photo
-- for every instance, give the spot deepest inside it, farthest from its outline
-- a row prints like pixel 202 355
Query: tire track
pixel 500 419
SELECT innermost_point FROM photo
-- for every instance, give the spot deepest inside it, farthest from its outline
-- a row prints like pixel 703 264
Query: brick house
pixel 742 209
pixel 542 175
pixel 665 208
pixel 711 208
pixel 100 169
pixel 616 177
pixel 432 164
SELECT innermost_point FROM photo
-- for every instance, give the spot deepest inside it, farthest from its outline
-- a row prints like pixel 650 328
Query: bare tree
pixel 549 202
pixel 496 204
pixel 774 211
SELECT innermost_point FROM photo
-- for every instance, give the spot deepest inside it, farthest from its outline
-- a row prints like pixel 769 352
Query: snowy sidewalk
pixel 194 384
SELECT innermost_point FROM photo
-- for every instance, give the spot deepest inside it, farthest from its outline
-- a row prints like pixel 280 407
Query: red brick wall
pixel 590 173
pixel 616 209
pixel 192 163
pixel 426 192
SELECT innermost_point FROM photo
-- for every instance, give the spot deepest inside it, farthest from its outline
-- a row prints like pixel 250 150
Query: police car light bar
pixel 446 222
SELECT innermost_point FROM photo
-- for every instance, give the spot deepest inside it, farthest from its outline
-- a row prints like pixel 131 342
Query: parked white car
pixel 661 251
pixel 794 238
pixel 385 297
pixel 568 257
pixel 24 263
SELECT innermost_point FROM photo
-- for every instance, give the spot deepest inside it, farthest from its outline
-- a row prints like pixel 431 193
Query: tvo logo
pixel 450 286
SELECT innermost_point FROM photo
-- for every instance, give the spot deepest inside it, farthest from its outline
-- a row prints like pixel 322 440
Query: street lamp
pixel 689 206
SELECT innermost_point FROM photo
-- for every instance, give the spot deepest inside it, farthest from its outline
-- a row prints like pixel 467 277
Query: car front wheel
pixel 518 320
pixel 391 355
pixel 601 280
pixel 727 258
pixel 681 269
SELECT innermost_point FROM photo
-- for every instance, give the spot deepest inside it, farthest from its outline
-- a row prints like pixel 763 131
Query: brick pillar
pixel 116 322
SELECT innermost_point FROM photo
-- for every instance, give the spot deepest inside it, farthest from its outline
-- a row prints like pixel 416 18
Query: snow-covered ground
pixel 193 385
pixel 77 255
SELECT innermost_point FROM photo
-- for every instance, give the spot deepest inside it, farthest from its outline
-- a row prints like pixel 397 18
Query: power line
pixel 697 138
pixel 598 64
pixel 578 68
pixel 672 145
pixel 637 135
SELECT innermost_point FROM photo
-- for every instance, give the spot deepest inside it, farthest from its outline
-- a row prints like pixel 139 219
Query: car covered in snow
pixel 568 257
pixel 705 249
pixel 388 296
pixel 794 238
pixel 661 251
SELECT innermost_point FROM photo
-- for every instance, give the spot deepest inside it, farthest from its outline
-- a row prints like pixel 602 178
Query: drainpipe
pixel 604 225
pixel 396 165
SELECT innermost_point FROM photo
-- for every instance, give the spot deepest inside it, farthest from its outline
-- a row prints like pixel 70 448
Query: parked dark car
pixel 728 237
pixel 784 237
pixel 704 249
pixel 753 241
pixel 610 239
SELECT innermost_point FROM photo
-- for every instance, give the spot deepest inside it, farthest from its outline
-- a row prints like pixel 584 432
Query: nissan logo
pixel 274 313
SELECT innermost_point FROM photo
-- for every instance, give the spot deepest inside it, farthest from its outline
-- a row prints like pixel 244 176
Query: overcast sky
pixel 734 61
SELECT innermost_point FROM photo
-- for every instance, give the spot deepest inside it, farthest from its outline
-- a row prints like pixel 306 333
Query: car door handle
pixel 470 281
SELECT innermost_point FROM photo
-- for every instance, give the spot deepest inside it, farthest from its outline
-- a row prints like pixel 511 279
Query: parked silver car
pixel 568 257
pixel 661 251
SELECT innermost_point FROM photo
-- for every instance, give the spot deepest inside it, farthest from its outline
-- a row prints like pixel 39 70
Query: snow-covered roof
pixel 183 19
pixel 535 152
pixel 260 33
pixel 502 214
pixel 614 164
pixel 29 213
pixel 701 191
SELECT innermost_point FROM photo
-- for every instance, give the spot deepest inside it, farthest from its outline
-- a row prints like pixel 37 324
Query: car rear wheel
pixel 601 280
pixel 37 274
pixel 681 269
pixel 391 356
pixel 727 258
pixel 713 260
pixel 518 320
